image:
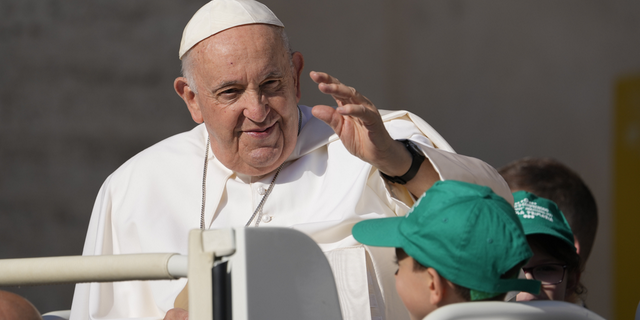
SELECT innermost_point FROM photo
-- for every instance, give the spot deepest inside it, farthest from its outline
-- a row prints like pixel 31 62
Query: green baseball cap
pixel 469 234
pixel 541 216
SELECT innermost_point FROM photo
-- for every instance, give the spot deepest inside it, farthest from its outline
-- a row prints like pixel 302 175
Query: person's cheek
pixel 552 293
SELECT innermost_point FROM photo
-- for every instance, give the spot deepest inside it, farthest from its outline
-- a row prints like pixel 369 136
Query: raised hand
pixel 357 123
pixel 359 126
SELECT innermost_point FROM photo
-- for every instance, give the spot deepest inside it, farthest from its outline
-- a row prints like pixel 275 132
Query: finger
pixel 324 113
pixel 330 85
pixel 368 116
pixel 329 116
pixel 338 90
pixel 322 77
pixel 342 93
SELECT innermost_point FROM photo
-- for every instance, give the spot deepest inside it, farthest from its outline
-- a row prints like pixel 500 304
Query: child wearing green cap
pixel 460 242
pixel 555 262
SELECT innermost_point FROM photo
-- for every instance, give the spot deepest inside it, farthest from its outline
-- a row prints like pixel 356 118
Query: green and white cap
pixel 469 234
pixel 541 216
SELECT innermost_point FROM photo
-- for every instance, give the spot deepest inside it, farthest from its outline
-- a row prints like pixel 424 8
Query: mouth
pixel 261 132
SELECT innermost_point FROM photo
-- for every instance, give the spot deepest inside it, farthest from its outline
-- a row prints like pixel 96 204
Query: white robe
pixel 151 202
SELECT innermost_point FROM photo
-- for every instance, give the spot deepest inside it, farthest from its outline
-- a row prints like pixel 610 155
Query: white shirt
pixel 151 202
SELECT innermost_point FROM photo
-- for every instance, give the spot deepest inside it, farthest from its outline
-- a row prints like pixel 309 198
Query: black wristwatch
pixel 417 157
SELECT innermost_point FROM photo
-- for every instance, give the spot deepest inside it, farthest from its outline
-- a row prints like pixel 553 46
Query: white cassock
pixel 152 201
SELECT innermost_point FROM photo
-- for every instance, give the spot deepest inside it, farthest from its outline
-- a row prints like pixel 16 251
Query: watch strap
pixel 416 160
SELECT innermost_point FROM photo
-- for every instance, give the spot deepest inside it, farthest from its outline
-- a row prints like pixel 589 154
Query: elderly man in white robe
pixel 260 159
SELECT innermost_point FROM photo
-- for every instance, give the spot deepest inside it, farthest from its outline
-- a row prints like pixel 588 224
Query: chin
pixel 259 167
pixel 265 159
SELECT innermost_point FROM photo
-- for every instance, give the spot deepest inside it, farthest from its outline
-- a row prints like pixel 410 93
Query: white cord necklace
pixel 204 183
pixel 258 210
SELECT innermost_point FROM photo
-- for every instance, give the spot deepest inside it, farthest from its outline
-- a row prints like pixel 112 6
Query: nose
pixel 256 107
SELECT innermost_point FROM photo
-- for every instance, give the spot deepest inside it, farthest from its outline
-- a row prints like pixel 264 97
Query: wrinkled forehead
pixel 256 48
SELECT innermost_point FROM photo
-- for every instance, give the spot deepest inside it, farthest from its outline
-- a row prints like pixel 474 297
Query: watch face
pixel 417 159
pixel 411 146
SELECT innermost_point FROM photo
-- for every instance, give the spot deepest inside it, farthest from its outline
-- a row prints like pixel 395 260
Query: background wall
pixel 84 85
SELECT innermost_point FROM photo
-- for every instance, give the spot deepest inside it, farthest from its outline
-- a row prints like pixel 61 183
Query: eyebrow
pixel 272 74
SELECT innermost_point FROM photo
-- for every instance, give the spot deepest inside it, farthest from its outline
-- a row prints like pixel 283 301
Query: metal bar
pixel 104 268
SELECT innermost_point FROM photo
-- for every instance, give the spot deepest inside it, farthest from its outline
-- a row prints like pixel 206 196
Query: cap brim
pixel 532 229
pixel 383 232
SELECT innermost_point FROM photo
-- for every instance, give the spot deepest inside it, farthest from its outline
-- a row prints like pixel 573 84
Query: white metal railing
pixel 107 268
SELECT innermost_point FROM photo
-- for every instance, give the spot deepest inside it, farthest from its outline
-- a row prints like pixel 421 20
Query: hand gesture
pixel 358 124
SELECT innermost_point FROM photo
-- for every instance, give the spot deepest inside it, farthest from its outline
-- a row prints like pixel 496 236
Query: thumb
pixel 330 116
pixel 324 113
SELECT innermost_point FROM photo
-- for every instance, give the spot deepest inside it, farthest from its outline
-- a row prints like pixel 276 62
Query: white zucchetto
pixel 219 15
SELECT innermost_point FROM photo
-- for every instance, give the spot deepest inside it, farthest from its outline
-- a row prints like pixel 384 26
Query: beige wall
pixel 500 80
pixel 85 85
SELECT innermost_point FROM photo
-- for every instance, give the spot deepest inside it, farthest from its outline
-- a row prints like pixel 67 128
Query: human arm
pixel 359 126
pixel 177 314
pixel 122 222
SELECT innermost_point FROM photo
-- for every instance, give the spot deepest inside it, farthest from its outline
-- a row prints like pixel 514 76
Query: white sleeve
pixel 119 300
pixel 453 166
pixel 81 296
pixel 448 164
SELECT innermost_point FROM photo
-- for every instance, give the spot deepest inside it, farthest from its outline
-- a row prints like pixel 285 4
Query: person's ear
pixel 184 91
pixel 437 287
pixel 576 243
pixel 298 65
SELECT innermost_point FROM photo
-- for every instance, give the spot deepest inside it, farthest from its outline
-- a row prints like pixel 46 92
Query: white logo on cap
pixel 530 210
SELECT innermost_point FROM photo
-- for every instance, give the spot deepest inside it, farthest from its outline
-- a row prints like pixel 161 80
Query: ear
pixel 298 64
pixel 437 287
pixel 576 243
pixel 184 91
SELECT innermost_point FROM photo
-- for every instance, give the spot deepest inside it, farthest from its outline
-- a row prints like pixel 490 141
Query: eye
pixel 228 94
pixel 548 269
pixel 271 85
pixel 229 91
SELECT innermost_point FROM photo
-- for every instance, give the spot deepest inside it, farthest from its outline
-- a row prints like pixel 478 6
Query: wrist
pixel 416 160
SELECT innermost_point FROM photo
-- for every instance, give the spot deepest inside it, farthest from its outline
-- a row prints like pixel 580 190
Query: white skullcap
pixel 219 15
